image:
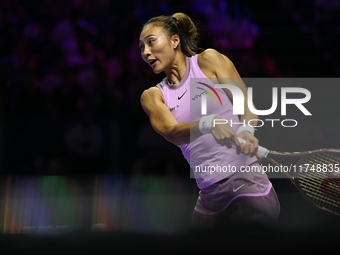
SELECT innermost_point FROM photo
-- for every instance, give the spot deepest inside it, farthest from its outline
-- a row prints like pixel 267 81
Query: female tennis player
pixel 227 192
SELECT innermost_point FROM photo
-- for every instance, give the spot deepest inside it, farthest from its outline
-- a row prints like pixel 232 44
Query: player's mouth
pixel 152 62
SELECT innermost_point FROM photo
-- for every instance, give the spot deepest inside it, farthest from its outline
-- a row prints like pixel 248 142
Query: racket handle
pixel 261 150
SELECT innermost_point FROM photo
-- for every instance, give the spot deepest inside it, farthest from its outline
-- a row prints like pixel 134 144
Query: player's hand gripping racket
pixel 316 175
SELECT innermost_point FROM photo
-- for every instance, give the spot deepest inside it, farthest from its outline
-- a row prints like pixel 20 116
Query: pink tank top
pixel 210 162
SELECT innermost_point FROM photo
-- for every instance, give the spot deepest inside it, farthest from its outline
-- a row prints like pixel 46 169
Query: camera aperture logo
pixel 238 104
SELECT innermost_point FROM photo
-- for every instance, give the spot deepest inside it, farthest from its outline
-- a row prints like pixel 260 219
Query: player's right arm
pixel 164 122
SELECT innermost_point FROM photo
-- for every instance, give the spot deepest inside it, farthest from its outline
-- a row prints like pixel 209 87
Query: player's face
pixel 156 48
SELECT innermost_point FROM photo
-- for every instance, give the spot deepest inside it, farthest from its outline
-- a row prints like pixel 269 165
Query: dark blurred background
pixel 71 77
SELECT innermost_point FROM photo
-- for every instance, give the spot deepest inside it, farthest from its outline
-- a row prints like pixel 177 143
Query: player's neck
pixel 177 70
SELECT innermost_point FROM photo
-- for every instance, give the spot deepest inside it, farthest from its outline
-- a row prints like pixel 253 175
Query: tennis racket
pixel 316 175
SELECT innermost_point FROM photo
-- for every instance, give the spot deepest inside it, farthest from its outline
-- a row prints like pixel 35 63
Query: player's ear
pixel 175 41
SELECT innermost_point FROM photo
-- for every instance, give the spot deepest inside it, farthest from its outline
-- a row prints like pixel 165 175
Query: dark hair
pixel 179 24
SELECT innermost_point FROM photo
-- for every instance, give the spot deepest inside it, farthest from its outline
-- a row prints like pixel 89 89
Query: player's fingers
pixel 224 141
pixel 242 147
pixel 218 138
pixel 228 142
pixel 258 156
pixel 253 150
pixel 237 144
pixel 246 148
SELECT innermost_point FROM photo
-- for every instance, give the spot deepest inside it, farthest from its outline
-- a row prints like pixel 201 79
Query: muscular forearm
pixel 186 132
pixel 182 133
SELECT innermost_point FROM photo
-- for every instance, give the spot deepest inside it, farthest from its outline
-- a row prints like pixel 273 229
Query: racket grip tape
pixel 261 150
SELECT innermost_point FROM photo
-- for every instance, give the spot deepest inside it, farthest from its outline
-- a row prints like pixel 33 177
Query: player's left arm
pixel 223 70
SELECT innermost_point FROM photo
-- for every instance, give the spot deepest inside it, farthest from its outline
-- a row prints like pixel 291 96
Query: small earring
pixel 174 47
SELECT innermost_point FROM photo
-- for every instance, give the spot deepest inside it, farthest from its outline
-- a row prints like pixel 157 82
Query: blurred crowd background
pixel 71 74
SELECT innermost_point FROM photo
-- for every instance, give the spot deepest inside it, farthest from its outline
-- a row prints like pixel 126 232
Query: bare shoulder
pixel 151 95
pixel 210 59
pixel 209 56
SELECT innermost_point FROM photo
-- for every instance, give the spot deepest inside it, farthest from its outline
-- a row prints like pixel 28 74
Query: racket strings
pixel 326 197
pixel 319 179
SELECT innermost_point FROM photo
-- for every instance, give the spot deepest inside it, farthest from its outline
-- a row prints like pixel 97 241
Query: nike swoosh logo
pixel 234 190
pixel 179 98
